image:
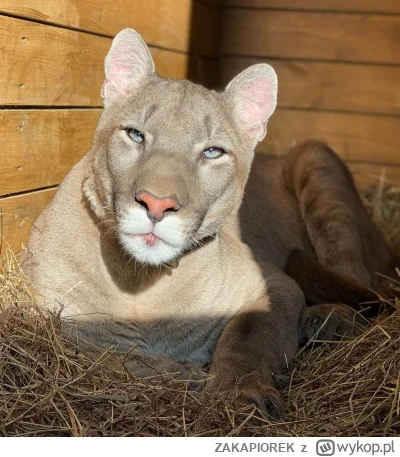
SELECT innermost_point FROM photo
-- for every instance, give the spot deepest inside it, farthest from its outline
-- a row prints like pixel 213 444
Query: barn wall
pixel 52 55
pixel 338 66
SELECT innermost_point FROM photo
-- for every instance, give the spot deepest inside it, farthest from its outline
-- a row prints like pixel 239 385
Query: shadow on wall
pixel 203 68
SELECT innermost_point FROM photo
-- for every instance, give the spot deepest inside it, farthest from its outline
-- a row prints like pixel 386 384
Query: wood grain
pixel 18 214
pixel 42 145
pixel 332 86
pixel 164 23
pixel 365 174
pixel 309 35
pixel 214 3
pixel 381 6
pixel 355 137
pixel 44 65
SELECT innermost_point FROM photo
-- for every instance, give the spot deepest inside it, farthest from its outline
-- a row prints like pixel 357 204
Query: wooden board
pixel 381 6
pixel 44 65
pixel 354 137
pixel 309 35
pixel 204 71
pixel 39 147
pixel 333 86
pixel 18 214
pixel 204 29
pixel 164 23
pixel 214 3
pixel 366 174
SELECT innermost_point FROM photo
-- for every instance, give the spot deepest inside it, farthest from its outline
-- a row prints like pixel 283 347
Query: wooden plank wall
pixel 338 66
pixel 51 72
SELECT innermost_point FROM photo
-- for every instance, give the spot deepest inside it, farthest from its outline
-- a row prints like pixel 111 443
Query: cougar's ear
pixel 253 94
pixel 128 66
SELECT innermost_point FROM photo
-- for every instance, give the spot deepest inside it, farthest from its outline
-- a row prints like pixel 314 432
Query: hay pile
pixel 49 387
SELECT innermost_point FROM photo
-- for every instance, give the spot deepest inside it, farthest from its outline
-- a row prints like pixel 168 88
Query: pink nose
pixel 156 207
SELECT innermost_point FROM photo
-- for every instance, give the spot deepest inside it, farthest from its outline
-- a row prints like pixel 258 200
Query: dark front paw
pixel 247 395
pixel 266 398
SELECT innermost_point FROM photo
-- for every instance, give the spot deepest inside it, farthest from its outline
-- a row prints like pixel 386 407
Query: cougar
pixel 155 246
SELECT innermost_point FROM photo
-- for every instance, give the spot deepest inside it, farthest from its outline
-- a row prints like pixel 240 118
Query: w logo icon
pixel 325 447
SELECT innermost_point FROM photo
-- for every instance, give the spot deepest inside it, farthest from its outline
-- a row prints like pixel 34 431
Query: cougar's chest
pixel 185 323
pixel 186 329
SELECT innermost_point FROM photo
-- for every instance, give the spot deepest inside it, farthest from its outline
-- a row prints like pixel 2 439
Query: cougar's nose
pixel 156 207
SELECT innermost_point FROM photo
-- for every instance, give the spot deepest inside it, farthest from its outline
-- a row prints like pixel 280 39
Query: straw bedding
pixel 50 387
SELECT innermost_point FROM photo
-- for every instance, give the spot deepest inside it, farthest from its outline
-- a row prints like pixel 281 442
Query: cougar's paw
pixel 245 396
pixel 187 372
pixel 330 322
pixel 266 398
pixel 193 374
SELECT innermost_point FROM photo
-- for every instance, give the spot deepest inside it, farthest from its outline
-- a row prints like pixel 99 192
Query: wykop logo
pixel 325 447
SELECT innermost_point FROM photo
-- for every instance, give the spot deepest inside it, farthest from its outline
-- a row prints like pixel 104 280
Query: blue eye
pixel 213 153
pixel 135 135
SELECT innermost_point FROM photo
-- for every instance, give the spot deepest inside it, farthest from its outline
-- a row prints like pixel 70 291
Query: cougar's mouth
pixel 149 238
pixel 150 249
pixel 149 243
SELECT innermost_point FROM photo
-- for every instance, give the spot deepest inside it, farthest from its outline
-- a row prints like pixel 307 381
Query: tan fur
pixel 229 302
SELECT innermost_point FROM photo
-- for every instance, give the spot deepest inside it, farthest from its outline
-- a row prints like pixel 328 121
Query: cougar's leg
pixel 344 238
pixel 257 343
pixel 99 338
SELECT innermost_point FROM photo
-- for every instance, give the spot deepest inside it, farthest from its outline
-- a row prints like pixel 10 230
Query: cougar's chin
pixel 149 249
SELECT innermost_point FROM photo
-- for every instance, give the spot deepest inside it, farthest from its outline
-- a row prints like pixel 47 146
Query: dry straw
pixel 48 386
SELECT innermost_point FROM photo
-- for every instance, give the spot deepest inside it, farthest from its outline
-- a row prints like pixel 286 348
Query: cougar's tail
pixel 321 285
pixel 349 248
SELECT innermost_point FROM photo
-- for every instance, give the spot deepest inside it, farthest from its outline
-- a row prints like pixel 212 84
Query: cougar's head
pixel 170 159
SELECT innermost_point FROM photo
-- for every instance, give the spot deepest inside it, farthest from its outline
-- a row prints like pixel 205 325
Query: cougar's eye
pixel 135 135
pixel 213 153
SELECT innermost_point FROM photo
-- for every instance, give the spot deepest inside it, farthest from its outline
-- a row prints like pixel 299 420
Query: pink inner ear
pixel 122 68
pixel 128 65
pixel 122 63
pixel 257 102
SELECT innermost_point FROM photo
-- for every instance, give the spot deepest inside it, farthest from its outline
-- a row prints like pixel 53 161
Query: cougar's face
pixel 171 158
pixel 176 175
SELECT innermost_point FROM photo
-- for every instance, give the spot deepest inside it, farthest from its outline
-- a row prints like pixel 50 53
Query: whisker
pixel 109 230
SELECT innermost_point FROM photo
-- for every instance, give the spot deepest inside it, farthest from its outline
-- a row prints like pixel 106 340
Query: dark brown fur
pixel 329 244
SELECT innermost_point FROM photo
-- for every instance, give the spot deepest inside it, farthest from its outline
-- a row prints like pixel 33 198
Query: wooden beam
pixel 41 146
pixel 165 23
pixel 377 6
pixel 44 65
pixel 17 216
pixel 328 86
pixel 310 35
pixel 354 137
pixel 366 174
